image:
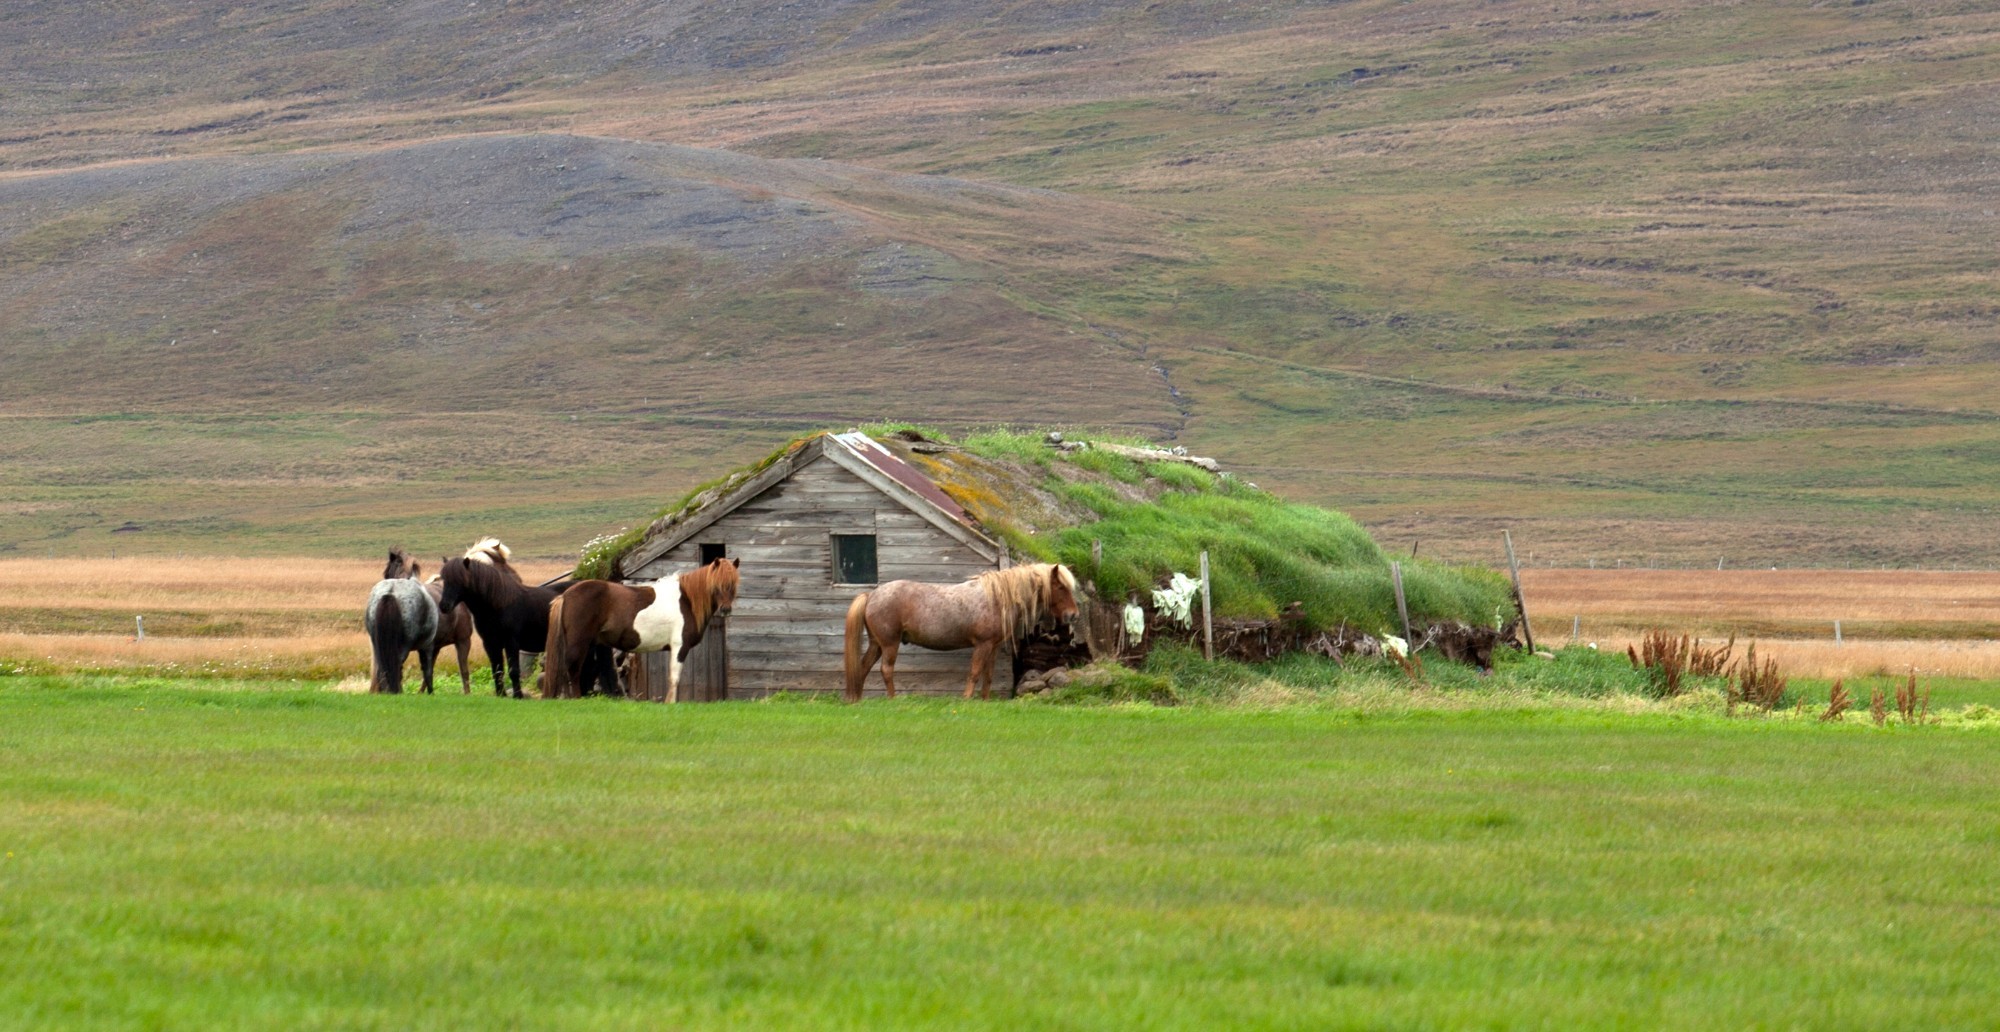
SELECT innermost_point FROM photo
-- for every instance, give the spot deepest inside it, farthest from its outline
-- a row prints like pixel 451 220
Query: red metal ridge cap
pixel 903 473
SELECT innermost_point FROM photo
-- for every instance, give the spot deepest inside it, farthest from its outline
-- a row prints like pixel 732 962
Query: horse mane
pixel 498 584
pixel 400 565
pixel 698 588
pixel 489 552
pixel 1021 593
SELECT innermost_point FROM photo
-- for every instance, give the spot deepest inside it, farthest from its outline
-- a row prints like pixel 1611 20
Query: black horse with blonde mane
pixel 999 607
pixel 671 615
pixel 511 616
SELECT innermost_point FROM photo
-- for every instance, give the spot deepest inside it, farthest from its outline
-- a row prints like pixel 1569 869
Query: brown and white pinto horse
pixel 673 615
pixel 996 608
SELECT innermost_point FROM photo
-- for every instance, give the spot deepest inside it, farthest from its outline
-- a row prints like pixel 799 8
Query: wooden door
pixel 704 677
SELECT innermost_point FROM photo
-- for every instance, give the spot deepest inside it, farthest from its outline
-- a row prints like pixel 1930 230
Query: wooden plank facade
pixel 786 632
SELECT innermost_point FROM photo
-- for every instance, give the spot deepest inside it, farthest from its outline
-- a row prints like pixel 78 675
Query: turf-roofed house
pixel 824 519
pixel 831 515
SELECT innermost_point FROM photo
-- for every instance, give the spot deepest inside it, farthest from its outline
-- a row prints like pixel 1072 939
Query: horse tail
pixel 390 648
pixel 555 663
pixel 857 613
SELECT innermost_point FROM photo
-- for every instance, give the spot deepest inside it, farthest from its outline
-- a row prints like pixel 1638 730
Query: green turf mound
pixel 1153 518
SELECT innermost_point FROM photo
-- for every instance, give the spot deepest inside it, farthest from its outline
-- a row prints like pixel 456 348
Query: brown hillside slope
pixel 546 272
pixel 1671 279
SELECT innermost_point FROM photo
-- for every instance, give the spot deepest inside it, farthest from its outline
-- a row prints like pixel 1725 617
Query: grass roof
pixel 1153 518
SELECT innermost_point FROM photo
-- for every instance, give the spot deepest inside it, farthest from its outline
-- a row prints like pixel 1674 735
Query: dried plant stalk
pixel 1671 660
pixel 1712 661
pixel 1413 667
pixel 1837 703
pixel 1757 685
pixel 1913 705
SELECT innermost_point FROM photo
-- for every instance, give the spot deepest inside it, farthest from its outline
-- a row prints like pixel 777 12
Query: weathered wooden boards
pixel 787 629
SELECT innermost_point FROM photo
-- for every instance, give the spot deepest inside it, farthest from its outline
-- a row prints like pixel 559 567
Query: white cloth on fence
pixel 1177 599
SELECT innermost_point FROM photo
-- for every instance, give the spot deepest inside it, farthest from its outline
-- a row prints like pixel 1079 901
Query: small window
pixel 713 550
pixel 854 558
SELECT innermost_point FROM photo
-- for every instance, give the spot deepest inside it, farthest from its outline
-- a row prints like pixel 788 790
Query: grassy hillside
pixel 1663 281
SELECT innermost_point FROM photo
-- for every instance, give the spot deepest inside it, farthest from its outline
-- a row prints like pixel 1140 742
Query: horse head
pixel 400 565
pixel 722 580
pixel 1062 593
pixel 452 573
pixel 707 592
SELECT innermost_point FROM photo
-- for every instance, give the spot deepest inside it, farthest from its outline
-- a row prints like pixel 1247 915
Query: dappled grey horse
pixel 401 618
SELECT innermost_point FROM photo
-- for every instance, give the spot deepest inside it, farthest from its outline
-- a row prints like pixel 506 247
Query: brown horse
pixel 673 615
pixel 996 608
pixel 454 628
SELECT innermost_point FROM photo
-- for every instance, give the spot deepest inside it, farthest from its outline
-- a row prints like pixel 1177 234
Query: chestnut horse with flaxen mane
pixel 672 615
pixel 999 607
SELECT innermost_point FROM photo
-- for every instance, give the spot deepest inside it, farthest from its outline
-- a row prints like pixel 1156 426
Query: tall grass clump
pixel 1578 670
pixel 1907 701
pixel 1758 685
pixel 1670 661
pixel 1264 554
pixel 1109 464
pixel 1006 444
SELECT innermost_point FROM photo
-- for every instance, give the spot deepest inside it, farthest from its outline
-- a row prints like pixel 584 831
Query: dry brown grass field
pixel 1891 621
pixel 288 616
pixel 230 617
pixel 1758 601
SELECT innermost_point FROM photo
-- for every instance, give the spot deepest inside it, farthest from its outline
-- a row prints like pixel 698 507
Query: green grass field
pixel 284 857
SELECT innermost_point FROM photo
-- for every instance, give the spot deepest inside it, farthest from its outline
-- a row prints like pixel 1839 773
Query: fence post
pixel 142 627
pixel 1836 632
pixel 1402 607
pixel 1207 621
pixel 1575 628
pixel 1096 556
pixel 1520 600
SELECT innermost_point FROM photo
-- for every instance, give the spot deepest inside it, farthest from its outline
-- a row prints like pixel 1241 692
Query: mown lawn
pixel 284 858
